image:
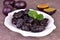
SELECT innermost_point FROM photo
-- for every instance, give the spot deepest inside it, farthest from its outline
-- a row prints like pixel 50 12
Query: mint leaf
pixel 40 17
pixel 33 14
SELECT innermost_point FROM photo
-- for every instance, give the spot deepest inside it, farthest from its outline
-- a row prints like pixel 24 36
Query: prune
pixel 37 28
pixel 36 21
pixel 44 22
pixel 41 28
pixel 14 21
pixel 30 21
pixel 19 23
pixel 20 4
pixel 18 26
pixel 25 28
pixel 28 24
pixel 26 11
pixel 9 2
pixel 17 15
pixel 22 12
pixel 7 9
pixel 26 18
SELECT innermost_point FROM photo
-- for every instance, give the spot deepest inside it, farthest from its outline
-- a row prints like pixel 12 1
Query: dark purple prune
pixel 25 28
pixel 30 21
pixel 22 12
pixel 26 11
pixel 37 28
pixel 28 24
pixel 18 26
pixel 46 19
pixel 34 29
pixel 17 15
pixel 14 21
pixel 25 17
pixel 41 28
pixel 44 22
pixel 36 21
pixel 19 23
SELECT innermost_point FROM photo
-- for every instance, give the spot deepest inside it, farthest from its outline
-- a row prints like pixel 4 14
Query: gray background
pixel 6 34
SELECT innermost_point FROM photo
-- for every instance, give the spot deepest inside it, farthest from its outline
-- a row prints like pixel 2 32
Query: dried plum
pixel 25 17
pixel 14 21
pixel 26 11
pixel 26 28
pixel 19 23
pixel 17 15
pixel 44 22
pixel 30 21
pixel 37 28
pixel 41 28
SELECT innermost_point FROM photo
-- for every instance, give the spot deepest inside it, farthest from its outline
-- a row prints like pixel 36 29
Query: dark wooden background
pixel 6 34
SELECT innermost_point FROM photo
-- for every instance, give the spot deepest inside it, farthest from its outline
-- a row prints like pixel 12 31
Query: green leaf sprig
pixel 35 15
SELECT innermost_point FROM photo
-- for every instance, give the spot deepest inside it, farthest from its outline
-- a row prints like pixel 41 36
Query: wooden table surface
pixel 6 34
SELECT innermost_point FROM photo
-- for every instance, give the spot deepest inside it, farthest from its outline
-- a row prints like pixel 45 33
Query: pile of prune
pixel 26 23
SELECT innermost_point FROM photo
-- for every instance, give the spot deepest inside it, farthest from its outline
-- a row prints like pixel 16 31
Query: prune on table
pixel 20 4
pixel 7 9
pixel 9 2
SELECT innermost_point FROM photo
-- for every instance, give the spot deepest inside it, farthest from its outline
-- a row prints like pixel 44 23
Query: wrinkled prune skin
pixel 26 23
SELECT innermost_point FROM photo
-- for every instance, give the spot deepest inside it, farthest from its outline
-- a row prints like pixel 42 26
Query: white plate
pixel 50 27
